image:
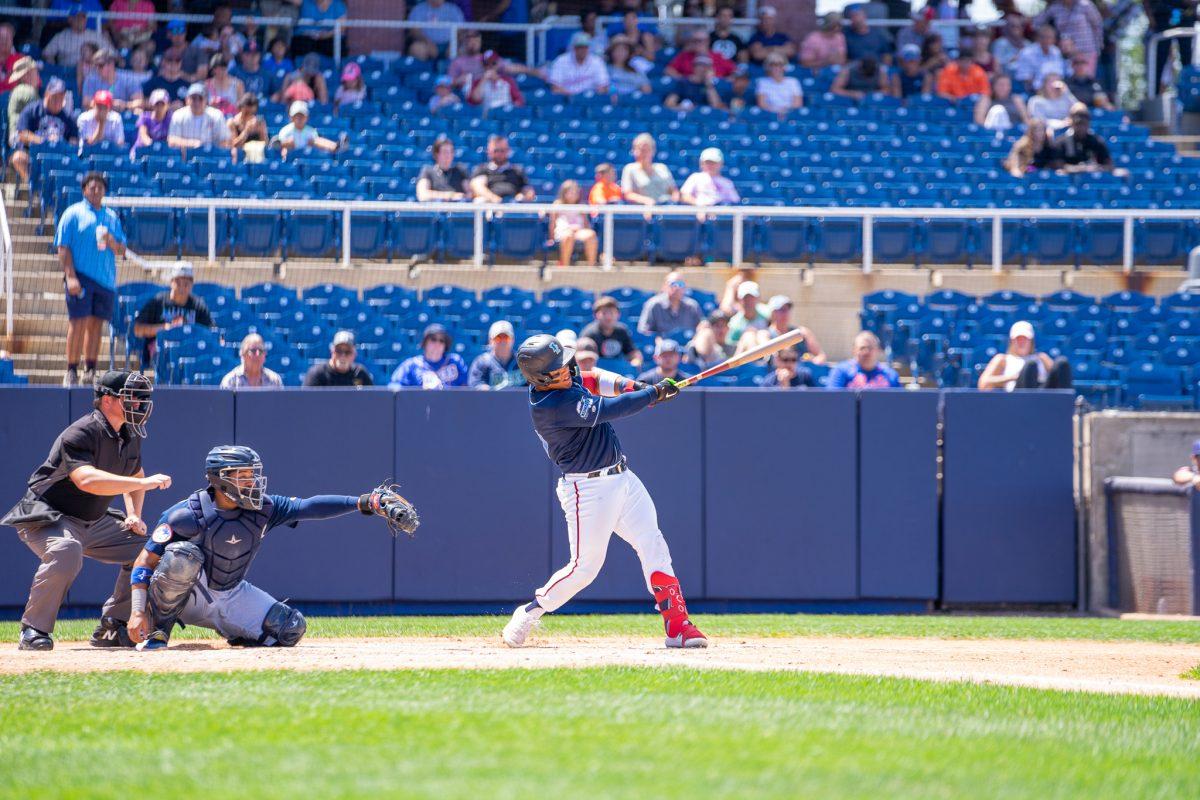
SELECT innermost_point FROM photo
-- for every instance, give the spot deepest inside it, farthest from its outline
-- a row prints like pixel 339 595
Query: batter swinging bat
pixel 762 351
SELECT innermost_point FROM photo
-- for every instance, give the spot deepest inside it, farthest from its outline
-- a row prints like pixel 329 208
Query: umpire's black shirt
pixel 92 441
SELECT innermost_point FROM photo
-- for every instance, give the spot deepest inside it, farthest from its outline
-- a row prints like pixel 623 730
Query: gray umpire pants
pixel 62 546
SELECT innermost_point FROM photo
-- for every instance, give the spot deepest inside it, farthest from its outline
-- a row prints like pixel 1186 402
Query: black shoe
pixel 33 639
pixel 110 633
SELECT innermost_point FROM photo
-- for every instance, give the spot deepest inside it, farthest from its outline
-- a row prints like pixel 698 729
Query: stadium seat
pixel 256 232
pixel 369 235
pixel 312 234
pixel 519 236
pixel 1155 386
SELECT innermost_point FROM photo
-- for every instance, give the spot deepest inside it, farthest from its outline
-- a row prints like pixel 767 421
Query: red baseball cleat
pixel 669 599
pixel 688 636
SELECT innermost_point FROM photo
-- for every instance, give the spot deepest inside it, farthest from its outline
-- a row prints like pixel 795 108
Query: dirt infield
pixel 1112 667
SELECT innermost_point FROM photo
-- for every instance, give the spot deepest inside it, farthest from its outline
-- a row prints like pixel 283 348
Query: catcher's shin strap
pixel 616 469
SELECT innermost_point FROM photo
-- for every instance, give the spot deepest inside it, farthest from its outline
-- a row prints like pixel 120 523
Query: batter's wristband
pixel 140 575
pixel 137 600
pixel 364 504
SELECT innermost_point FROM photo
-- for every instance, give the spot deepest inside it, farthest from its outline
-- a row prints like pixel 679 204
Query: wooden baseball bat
pixel 762 351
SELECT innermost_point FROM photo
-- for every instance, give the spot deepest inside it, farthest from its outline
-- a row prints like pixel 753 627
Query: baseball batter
pixel 192 570
pixel 598 492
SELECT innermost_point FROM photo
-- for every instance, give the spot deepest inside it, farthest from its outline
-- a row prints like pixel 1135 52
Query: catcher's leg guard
pixel 668 598
pixel 171 585
pixel 284 624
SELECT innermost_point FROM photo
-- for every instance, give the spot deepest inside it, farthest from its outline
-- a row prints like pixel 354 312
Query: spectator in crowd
pixel 670 310
pixel 318 38
pixel 197 124
pixel 444 97
pixel 170 309
pixel 644 180
pixel 962 78
pixel 978 45
pixel 769 39
pixel 280 8
pixel 468 66
pixel 612 338
pixel 1023 367
pixel 129 33
pixel 738 93
pixel 248 132
pixel 86 67
pixel 100 123
pixel 916 33
pixel 252 373
pixel 778 92
pixel 154 124
pixel 1007 47
pixel 437 367
pixel 306 83
pixel 126 92
pixel 89 237
pixel 499 179
pixel 1189 475
pixel 645 52
pixel 864 370
pixel 586 358
pixel 299 135
pixel 577 70
pixel 8 57
pixel 779 310
pixel 1081 150
pixel 1053 103
pixel 861 79
pixel 431 43
pixel 224 91
pixel 633 25
pixel 352 89
pixel 138 67
pixel 169 79
pixel 66 46
pixel 1164 15
pixel 444 179
pixel 496 368
pixel 697 89
pixel 570 228
pixel 43 121
pixel 749 315
pixel 863 41
pixel 1085 88
pixel 685 63
pixel 191 59
pixel 605 189
pixel 1080 22
pixel 277 59
pixel 249 70
pixel 933 54
pixel 495 88
pixel 824 47
pixel 1003 110
pixel 911 79
pixel 667 357
pixel 710 346
pixel 1038 58
pixel 1032 152
pixel 598 35
pixel 341 369
pixel 709 187
pixel 786 372
pixel 622 77
pixel 24 82
pixel 723 41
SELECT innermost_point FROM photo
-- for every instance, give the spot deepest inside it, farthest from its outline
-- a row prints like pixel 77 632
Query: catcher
pixel 193 566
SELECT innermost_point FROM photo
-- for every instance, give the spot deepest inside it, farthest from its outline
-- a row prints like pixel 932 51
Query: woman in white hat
pixel 1022 367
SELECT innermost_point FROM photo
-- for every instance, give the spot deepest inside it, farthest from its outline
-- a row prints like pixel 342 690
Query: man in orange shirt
pixel 962 78
pixel 605 189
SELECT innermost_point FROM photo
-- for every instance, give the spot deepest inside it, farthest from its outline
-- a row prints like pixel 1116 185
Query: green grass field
pixel 604 732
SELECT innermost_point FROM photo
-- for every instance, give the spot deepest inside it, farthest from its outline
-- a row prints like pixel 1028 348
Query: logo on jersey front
pixel 584 407
pixel 162 534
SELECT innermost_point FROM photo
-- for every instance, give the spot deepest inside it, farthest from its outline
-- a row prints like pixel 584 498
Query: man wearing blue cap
pixel 437 367
pixel 64 48
pixel 667 355
pixel 1190 475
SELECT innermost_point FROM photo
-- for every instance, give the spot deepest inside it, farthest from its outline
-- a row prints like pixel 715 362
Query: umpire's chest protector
pixel 229 539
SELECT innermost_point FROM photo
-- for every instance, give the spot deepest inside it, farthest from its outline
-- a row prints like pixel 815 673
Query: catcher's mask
pixel 221 466
pixel 133 389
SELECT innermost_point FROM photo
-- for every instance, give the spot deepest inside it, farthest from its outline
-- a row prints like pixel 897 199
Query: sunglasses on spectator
pixel 677 285
pixel 788 360
pixel 255 351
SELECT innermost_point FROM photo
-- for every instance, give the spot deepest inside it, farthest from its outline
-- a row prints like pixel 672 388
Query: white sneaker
pixel 518 628
pixel 71 378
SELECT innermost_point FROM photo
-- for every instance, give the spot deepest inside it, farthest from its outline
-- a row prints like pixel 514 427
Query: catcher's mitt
pixel 384 501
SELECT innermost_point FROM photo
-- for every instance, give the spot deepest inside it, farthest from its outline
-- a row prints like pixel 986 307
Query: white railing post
pixel 452 47
pixel 1127 243
pixel 530 55
pixel 346 236
pixel 212 234
pixel 738 242
pixel 7 265
pixel 608 238
pixel 337 42
pixel 997 244
pixel 868 240
pixel 478 238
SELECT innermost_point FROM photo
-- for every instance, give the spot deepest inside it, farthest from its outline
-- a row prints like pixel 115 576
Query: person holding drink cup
pixel 89 238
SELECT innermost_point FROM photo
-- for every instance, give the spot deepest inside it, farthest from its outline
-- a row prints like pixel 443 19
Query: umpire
pixel 64 515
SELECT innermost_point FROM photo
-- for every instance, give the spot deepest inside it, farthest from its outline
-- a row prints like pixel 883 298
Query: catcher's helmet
pixel 541 355
pixel 225 459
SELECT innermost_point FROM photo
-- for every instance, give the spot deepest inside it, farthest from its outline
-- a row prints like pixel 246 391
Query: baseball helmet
pixel 224 460
pixel 133 389
pixel 540 355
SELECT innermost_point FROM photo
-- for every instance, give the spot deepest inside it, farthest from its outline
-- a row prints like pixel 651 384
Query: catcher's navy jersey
pixel 574 425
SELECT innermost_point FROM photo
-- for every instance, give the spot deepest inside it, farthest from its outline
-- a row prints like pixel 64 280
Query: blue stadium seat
pixel 1127 302
pixel 312 234
pixel 256 232
pixel 193 231
pixel 837 239
pixel 322 294
pixel 675 238
pixel 152 231
pixel 369 234
pixel 446 295
pixel 630 238
pixel 1156 386
pixel 895 239
pixel 519 236
pixel 458 236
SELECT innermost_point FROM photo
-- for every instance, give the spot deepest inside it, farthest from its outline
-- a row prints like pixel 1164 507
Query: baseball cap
pixel 501 327
pixel 197 89
pixel 910 52
pixel 176 26
pixel 55 86
pixel 666 346
pixel 76 9
pixel 343 337
pixel 567 337
pixel 298 107
pixel 182 271
pixel 445 80
pixel 111 382
pixel 767 11
pixel 103 98
pixel 587 352
pixel 778 301
pixel 104 56
pixel 712 154
pixel 21 67
pixel 351 72
pixel 490 57
pixel 581 39
pixel 1196 448
pixel 159 96
pixel 747 289
pixel 435 329
pixel 1021 328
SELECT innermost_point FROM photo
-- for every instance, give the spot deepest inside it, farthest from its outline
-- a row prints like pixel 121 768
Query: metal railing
pixel 1152 65
pixel 485 211
pixel 7 265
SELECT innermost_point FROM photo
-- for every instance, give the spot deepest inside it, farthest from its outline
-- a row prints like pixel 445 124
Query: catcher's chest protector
pixel 228 539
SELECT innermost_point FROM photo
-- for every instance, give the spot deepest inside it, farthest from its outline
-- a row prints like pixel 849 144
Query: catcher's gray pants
pixel 236 613
pixel 62 546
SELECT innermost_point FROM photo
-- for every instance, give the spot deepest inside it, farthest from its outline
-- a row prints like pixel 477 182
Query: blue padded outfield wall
pixel 787 497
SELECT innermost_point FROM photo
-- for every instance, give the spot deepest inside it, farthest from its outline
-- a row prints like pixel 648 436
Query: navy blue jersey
pixel 574 424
